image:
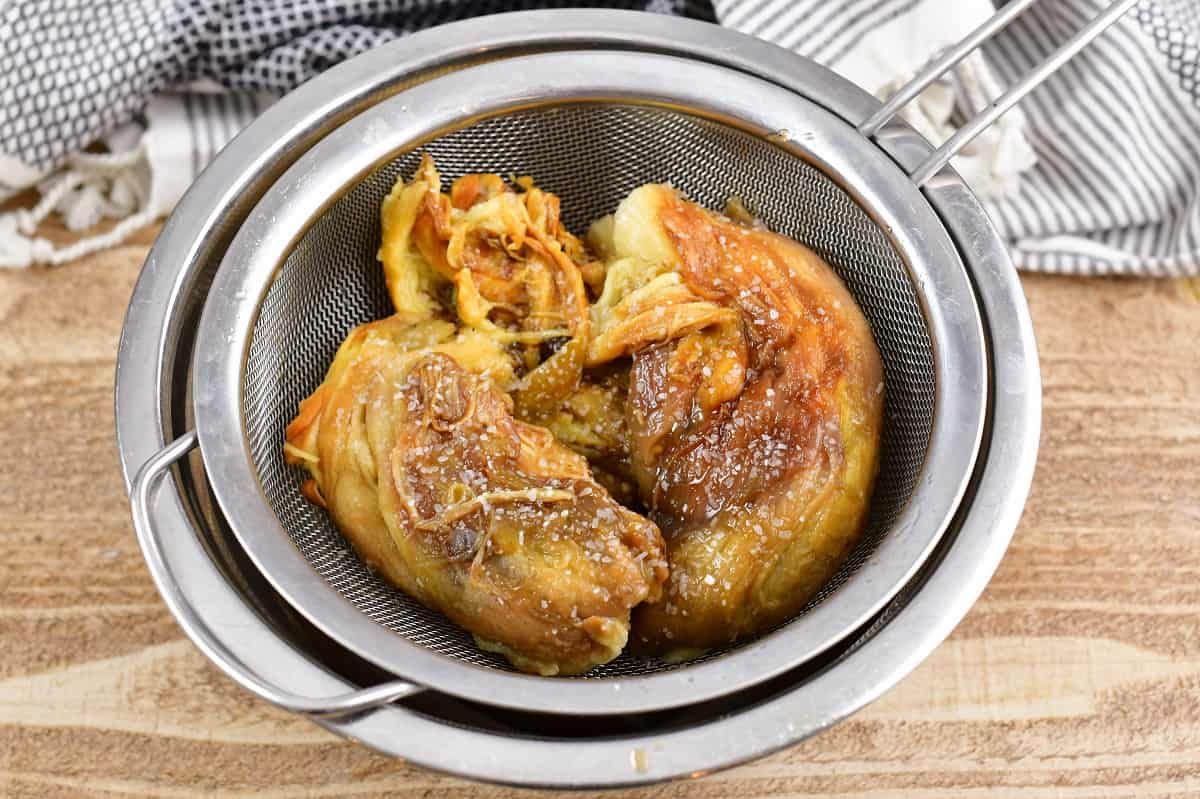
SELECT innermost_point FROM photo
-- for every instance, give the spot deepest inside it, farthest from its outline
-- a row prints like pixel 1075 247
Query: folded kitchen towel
pixel 1112 185
pixel 1098 171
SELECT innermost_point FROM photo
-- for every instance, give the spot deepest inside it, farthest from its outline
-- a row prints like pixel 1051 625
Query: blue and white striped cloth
pixel 1114 184
pixel 1098 171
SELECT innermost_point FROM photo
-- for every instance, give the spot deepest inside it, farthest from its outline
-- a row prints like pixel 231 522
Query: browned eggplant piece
pixel 754 412
pixel 416 454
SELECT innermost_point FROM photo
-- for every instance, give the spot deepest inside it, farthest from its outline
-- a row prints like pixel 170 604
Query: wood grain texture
pixel 1076 675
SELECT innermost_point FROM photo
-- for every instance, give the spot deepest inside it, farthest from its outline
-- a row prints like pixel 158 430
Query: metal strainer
pixel 302 272
pixel 589 126
pixel 591 155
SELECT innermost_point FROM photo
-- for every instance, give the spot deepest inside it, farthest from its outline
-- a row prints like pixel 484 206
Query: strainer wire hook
pixel 338 706
pixel 985 117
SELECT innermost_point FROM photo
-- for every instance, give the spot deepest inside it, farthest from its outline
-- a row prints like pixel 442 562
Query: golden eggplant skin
pixel 508 265
pixel 754 412
pixel 485 518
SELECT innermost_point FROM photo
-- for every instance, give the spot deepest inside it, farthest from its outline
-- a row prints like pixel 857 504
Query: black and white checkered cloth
pixel 1097 173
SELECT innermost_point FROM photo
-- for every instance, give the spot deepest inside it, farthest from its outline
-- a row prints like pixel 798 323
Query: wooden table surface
pixel 1076 675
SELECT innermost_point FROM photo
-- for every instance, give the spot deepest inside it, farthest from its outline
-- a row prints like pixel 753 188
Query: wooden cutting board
pixel 1076 675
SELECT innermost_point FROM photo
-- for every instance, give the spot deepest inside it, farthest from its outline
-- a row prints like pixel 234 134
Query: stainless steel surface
pixel 938 66
pixel 301 273
pixel 342 704
pixel 151 407
pixel 979 123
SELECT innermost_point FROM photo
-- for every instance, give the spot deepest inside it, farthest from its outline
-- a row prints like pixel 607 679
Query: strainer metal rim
pixel 309 594
pixel 348 153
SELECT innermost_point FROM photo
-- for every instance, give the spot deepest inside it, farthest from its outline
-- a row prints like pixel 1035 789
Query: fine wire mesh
pixel 591 155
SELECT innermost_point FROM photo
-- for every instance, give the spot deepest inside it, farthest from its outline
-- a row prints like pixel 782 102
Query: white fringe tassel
pixel 91 187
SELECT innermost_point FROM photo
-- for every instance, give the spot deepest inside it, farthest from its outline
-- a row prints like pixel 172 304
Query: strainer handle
pixel 981 121
pixel 143 521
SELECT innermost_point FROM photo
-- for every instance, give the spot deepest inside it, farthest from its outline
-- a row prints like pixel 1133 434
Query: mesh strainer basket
pixel 302 272
pixel 589 126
